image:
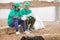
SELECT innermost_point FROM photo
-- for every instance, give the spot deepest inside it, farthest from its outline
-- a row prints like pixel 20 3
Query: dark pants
pixel 30 21
pixel 15 23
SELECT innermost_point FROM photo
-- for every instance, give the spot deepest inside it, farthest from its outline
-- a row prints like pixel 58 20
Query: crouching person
pixel 15 18
pixel 30 23
pixel 27 12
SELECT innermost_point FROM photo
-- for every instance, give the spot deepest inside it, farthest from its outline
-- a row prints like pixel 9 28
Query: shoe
pixel 31 29
pixel 26 32
pixel 18 33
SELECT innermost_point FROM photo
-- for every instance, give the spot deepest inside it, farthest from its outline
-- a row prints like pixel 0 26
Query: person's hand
pixel 19 17
pixel 24 18
pixel 14 17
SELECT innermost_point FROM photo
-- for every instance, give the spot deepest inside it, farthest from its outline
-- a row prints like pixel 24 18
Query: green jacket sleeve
pixel 11 13
pixel 22 12
pixel 28 12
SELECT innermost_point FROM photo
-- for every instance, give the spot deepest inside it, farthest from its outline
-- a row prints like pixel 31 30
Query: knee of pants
pixel 12 22
pixel 32 20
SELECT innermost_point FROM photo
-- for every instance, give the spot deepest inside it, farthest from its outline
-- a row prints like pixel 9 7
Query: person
pixel 15 18
pixel 28 13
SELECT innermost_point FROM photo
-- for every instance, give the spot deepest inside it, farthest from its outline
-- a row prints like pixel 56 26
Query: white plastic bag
pixel 38 23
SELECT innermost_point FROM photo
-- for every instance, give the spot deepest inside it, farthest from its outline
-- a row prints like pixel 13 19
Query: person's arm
pixel 14 17
pixel 12 14
pixel 29 13
pixel 23 17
